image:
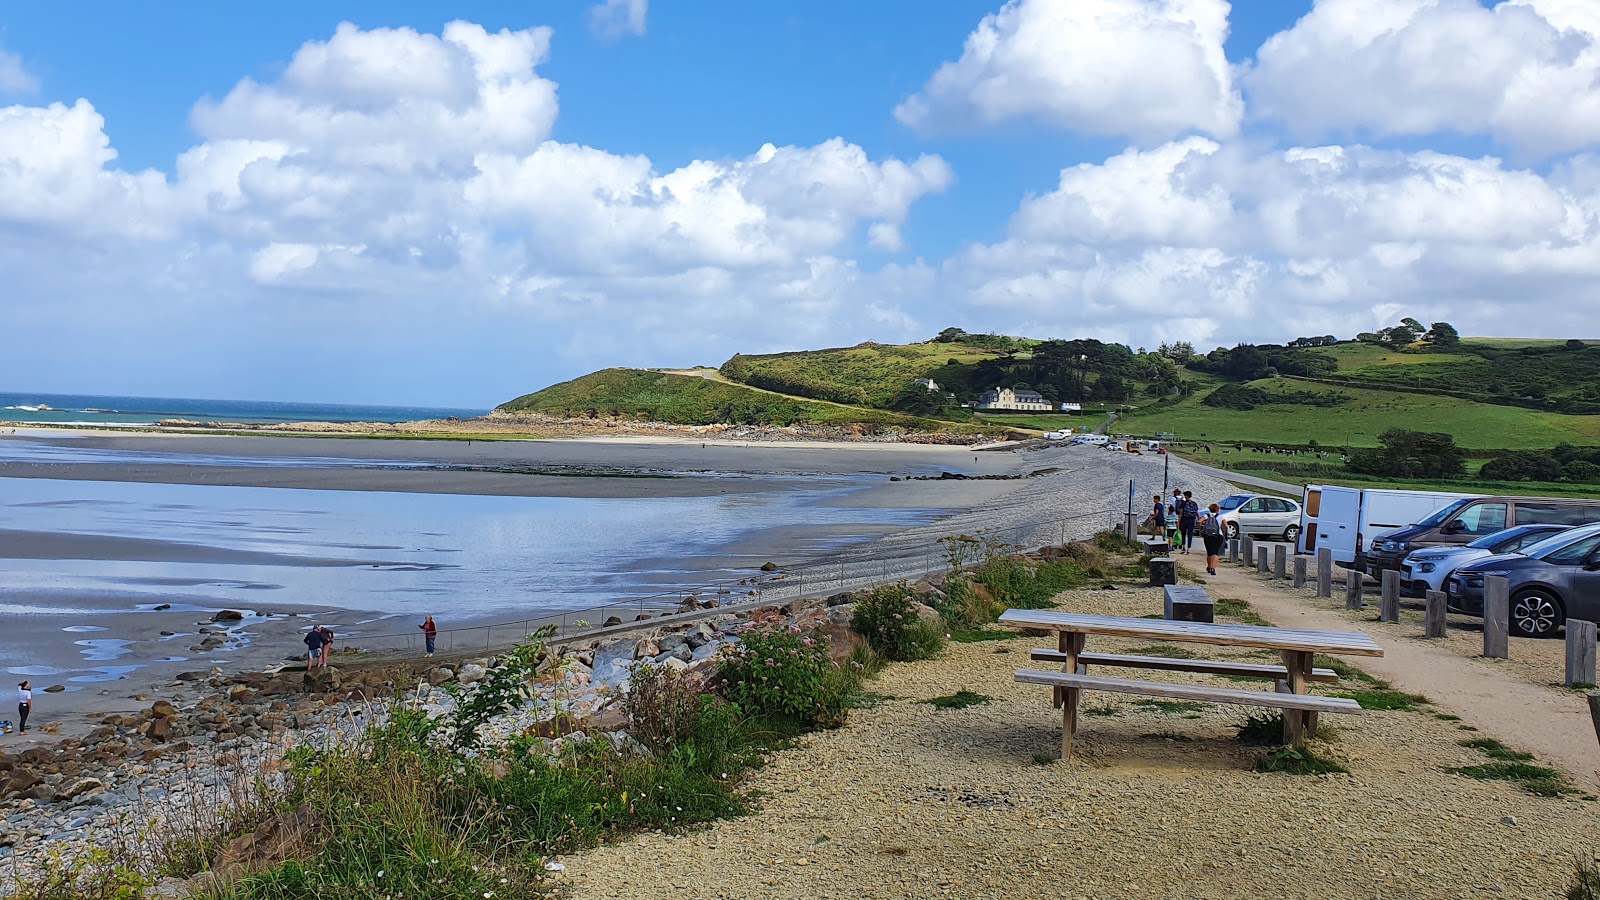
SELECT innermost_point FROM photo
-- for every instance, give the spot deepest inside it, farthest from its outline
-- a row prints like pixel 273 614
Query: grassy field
pixel 869 375
pixel 1086 421
pixel 1300 470
pixel 690 400
pixel 1358 422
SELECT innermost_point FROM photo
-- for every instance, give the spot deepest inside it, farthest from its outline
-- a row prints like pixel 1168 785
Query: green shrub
pixel 887 618
pixel 1585 883
pixel 778 671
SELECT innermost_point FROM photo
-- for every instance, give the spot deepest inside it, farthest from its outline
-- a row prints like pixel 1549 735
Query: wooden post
pixel 1496 617
pixel 1594 711
pixel 1233 550
pixel 1261 561
pixel 1433 620
pixel 1324 572
pixel 1071 645
pixel 1352 589
pixel 1298 665
pixel 1390 610
pixel 1280 562
pixel 1580 653
pixel 1299 571
pixel 1247 546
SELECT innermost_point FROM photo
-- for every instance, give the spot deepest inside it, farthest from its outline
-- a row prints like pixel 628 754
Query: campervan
pixel 1347 520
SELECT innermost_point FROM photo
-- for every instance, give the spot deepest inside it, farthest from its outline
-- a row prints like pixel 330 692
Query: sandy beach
pixel 121 645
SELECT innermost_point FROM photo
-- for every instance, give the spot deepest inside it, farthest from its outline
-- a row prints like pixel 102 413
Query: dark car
pixel 1470 518
pixel 1555 579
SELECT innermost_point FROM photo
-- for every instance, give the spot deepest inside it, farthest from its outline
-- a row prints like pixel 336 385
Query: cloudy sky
pixel 369 204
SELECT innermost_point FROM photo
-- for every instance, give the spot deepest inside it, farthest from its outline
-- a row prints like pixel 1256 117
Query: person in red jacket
pixel 430 632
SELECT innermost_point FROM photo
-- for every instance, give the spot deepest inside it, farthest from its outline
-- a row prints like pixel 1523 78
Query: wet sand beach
pixel 100 636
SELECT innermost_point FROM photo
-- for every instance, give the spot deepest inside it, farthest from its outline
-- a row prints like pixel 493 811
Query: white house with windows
pixel 1008 399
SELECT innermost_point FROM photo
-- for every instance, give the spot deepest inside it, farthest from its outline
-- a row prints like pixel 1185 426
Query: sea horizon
pixel 92 410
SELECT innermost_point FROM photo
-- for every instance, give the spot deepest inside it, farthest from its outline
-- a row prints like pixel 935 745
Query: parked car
pixel 1550 580
pixel 1427 569
pixel 1471 518
pixel 1260 516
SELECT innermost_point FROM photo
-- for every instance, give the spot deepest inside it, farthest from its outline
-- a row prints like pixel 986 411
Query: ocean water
pixel 461 557
pixel 89 409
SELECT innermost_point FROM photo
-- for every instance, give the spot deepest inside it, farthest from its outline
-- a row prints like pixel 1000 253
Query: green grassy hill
pixel 867 375
pixel 692 400
pixel 1359 420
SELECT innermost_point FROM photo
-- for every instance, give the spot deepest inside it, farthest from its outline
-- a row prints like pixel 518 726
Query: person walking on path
pixel 24 705
pixel 313 640
pixel 1211 532
pixel 1158 518
pixel 430 632
pixel 1188 519
pixel 1170 519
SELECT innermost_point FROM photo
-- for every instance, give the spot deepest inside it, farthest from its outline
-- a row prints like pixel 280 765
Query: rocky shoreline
pixel 173 768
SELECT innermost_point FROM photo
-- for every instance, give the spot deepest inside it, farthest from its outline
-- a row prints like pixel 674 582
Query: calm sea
pixel 90 409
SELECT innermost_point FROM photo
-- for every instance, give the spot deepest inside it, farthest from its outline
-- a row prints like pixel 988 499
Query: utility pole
pixel 1166 467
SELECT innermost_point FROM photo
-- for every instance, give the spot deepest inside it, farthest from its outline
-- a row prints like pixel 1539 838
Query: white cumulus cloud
pixel 1145 69
pixel 14 77
pixel 615 19
pixel 1526 72
pixel 1250 245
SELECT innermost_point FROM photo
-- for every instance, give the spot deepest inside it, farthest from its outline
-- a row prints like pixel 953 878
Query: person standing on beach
pixel 313 640
pixel 24 705
pixel 1212 533
pixel 430 632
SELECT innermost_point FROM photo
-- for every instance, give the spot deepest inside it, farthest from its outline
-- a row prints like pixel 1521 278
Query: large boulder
pixel 275 841
pixel 842 642
pixel 471 673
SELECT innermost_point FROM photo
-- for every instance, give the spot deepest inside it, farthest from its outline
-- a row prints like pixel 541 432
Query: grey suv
pixel 1556 579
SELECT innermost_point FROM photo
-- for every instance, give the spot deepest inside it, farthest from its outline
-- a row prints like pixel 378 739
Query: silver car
pixel 1260 516
pixel 1427 569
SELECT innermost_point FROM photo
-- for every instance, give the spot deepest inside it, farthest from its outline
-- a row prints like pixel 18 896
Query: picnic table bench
pixel 1296 648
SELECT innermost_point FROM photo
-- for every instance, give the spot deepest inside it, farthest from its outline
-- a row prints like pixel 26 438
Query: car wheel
pixel 1536 614
pixel 1292 533
pixel 1233 531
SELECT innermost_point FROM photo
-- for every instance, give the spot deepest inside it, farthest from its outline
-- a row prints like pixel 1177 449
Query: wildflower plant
pixel 782 671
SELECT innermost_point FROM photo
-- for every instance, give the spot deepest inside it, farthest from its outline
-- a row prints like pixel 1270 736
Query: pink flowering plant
pixel 777 670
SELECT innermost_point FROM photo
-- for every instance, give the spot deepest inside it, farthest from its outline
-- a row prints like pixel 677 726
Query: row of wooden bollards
pixel 1582 636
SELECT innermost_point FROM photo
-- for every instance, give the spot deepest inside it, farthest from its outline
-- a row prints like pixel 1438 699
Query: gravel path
pixel 1521 698
pixel 1159 801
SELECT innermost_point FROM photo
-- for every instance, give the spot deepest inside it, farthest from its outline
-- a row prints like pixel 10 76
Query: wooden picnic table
pixel 1295 646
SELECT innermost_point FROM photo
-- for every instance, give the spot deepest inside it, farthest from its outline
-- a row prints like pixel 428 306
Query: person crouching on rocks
pixel 314 646
pixel 430 632
pixel 327 644
pixel 24 706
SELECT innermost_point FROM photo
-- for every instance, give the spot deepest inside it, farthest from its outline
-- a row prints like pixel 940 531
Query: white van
pixel 1347 519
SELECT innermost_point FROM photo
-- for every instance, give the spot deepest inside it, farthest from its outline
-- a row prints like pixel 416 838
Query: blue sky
pixel 418 277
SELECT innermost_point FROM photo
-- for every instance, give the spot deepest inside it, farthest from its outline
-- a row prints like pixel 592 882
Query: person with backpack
pixel 1212 532
pixel 1188 519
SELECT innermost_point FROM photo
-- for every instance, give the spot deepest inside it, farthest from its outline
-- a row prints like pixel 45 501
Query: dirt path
pixel 1547 721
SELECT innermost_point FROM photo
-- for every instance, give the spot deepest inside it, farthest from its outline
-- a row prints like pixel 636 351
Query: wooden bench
pixel 1071 683
pixel 1173 664
pixel 1295 646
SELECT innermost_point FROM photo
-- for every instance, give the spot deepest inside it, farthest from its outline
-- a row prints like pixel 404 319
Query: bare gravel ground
pixel 1520 699
pixel 1159 801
